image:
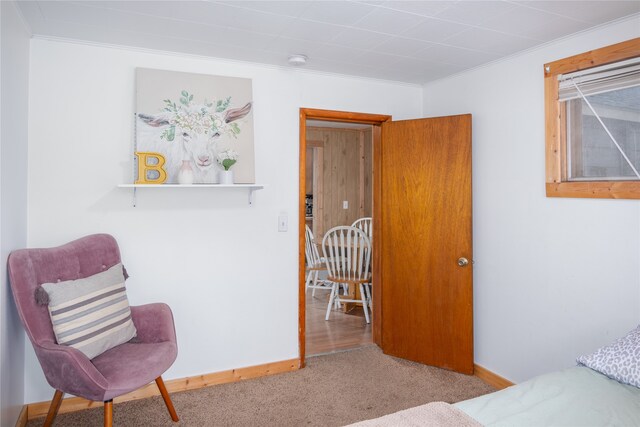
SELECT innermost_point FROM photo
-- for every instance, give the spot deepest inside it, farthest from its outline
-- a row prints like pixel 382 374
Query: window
pixel 592 104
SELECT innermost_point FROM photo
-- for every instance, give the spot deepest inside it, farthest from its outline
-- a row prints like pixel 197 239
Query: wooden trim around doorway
pixel 376 327
pixel 338 116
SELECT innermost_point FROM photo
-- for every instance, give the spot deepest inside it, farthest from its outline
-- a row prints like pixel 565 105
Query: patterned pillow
pixel 91 314
pixel 619 361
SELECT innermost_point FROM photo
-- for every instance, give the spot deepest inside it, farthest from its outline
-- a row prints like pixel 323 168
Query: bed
pixel 577 396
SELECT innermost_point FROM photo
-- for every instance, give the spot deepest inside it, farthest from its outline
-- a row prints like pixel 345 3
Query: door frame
pixel 349 117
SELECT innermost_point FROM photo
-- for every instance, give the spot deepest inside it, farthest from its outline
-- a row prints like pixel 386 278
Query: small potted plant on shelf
pixel 226 159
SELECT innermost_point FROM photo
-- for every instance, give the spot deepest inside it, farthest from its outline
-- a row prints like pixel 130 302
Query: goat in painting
pixel 190 132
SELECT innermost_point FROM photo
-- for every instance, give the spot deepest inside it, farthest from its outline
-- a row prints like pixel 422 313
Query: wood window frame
pixel 557 184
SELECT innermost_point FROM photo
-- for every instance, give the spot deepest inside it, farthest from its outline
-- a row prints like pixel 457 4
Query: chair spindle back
pixel 365 224
pixel 347 253
pixel 312 255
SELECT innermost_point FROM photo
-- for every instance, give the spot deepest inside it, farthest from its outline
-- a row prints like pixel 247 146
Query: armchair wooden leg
pixel 167 399
pixel 108 413
pixel 53 409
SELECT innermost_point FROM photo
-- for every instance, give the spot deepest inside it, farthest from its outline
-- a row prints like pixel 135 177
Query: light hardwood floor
pixel 341 332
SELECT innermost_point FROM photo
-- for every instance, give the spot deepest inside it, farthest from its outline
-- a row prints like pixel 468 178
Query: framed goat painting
pixel 193 128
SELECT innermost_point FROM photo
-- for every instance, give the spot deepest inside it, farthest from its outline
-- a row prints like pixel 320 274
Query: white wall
pixel 229 276
pixel 14 90
pixel 554 278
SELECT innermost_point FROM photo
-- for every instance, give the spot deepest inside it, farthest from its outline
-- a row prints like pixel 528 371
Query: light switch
pixel 345 204
pixel 283 222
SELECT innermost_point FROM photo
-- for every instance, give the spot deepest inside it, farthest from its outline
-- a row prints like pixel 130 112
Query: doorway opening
pixel 339 152
pixel 339 191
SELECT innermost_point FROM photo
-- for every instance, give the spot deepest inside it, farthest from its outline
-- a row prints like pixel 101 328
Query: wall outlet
pixel 345 204
pixel 283 222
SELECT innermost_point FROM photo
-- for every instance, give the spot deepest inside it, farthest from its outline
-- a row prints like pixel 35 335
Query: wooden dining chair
pixel 366 224
pixel 314 264
pixel 347 254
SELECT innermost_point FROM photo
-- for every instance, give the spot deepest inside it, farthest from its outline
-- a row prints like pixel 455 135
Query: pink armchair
pixel 120 370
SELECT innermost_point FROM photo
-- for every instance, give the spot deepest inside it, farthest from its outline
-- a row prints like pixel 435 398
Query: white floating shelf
pixel 254 186
pixel 250 187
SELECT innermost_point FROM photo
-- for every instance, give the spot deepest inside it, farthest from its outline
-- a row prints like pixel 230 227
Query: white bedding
pixel 439 414
pixel 577 396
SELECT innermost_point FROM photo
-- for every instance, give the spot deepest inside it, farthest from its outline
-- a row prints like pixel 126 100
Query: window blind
pixel 606 78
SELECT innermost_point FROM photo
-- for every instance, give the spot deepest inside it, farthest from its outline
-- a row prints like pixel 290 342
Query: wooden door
pixel 427 298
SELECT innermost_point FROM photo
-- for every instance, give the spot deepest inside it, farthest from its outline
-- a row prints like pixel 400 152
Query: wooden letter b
pixel 144 166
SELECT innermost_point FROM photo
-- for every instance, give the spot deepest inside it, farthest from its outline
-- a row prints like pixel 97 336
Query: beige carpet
pixel 333 390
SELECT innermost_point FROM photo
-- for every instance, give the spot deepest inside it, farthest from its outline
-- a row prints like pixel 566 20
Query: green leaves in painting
pixel 234 129
pixel 170 106
pixel 222 105
pixel 169 134
pixel 186 98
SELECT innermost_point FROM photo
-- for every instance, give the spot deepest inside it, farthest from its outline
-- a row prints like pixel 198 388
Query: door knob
pixel 463 262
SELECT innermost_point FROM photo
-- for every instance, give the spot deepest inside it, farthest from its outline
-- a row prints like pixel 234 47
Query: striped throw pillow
pixel 91 314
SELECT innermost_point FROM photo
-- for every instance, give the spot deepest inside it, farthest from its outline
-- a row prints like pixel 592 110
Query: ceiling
pixel 408 41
